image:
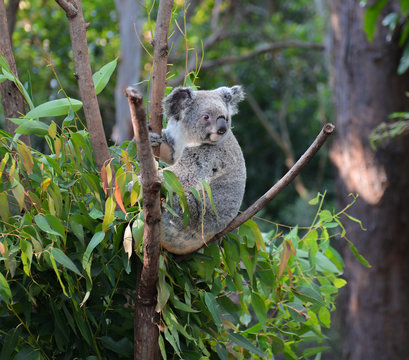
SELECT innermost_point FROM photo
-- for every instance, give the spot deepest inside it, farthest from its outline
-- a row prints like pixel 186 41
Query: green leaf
pixel 64 260
pixel 32 127
pixel 209 194
pixel 259 308
pixel 45 226
pixel 325 316
pixel 314 350
pixel 371 17
pixel 211 304
pixel 10 342
pixel 277 345
pixel 95 241
pixel 5 291
pixel 54 108
pixel 174 184
pixel 358 256
pixel 18 193
pixel 56 224
pixel 122 346
pixel 102 76
pixel 404 6
pixel 246 344
pixel 109 215
pixel 4 207
pixel 28 353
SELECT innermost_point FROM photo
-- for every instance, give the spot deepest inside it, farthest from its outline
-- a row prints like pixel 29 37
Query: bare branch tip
pixel 133 94
pixel 328 128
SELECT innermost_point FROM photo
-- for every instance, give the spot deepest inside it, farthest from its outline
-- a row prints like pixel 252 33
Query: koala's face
pixel 204 115
pixel 207 119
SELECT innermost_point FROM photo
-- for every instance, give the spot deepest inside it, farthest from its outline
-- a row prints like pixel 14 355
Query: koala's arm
pixel 166 144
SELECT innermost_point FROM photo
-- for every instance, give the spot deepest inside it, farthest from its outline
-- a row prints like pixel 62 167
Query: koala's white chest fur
pixel 175 129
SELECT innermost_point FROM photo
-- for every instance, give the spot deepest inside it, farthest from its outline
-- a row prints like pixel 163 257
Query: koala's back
pixel 222 167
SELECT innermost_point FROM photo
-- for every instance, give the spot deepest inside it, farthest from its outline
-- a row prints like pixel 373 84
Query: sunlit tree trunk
pixel 130 24
pixel 366 90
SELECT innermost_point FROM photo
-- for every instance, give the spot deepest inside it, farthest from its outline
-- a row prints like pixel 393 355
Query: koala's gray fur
pixel 200 146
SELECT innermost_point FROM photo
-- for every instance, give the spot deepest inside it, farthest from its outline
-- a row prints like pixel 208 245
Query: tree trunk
pixel 12 100
pixel 130 24
pixel 366 90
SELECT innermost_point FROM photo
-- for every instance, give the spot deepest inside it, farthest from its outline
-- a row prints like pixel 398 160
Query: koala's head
pixel 204 115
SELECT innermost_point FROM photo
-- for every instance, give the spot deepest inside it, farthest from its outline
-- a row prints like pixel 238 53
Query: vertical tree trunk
pixel 130 24
pixel 11 98
pixel 366 90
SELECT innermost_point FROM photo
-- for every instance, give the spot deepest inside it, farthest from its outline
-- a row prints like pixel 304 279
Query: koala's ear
pixel 176 101
pixel 231 96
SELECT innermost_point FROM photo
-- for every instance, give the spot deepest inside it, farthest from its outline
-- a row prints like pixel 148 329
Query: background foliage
pixel 69 234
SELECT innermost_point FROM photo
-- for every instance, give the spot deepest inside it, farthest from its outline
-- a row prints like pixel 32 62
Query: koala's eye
pixel 222 118
pixel 206 116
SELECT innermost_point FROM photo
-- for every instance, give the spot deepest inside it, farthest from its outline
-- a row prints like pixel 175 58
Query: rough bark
pixel 160 58
pixel 83 73
pixel 12 100
pixel 130 24
pixel 146 319
pixel 12 10
pixel 366 90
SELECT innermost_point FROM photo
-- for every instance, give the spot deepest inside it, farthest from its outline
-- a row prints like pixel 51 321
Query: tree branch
pixel 160 61
pixel 240 219
pixel 83 74
pixel 145 318
pixel 11 98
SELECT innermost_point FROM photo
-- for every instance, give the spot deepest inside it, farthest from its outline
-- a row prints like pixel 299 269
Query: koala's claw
pixel 155 139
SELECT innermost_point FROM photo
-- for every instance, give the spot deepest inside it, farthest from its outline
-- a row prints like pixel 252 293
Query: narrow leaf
pixel 211 304
pixel 54 108
pixel 5 291
pixel 246 344
pixel 109 215
pixel 358 256
pixel 32 127
pixel 95 241
pixel 64 260
pixel 128 240
pixel 26 157
pixel 102 76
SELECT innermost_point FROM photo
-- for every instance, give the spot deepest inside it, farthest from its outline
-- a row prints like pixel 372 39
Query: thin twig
pixel 240 219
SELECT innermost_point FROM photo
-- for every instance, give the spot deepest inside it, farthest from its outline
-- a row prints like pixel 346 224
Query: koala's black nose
pixel 221 130
pixel 221 125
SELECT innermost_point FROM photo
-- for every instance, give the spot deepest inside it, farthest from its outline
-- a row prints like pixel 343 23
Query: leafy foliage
pixel 71 237
pixel 62 227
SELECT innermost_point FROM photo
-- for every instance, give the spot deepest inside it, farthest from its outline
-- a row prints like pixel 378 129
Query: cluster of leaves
pixel 256 294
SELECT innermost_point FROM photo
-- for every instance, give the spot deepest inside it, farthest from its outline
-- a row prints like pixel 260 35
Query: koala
pixel 198 144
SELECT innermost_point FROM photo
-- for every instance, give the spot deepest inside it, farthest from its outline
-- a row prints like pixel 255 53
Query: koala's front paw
pixel 155 139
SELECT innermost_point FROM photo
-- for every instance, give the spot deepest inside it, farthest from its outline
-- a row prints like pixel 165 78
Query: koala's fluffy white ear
pixel 176 101
pixel 232 96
